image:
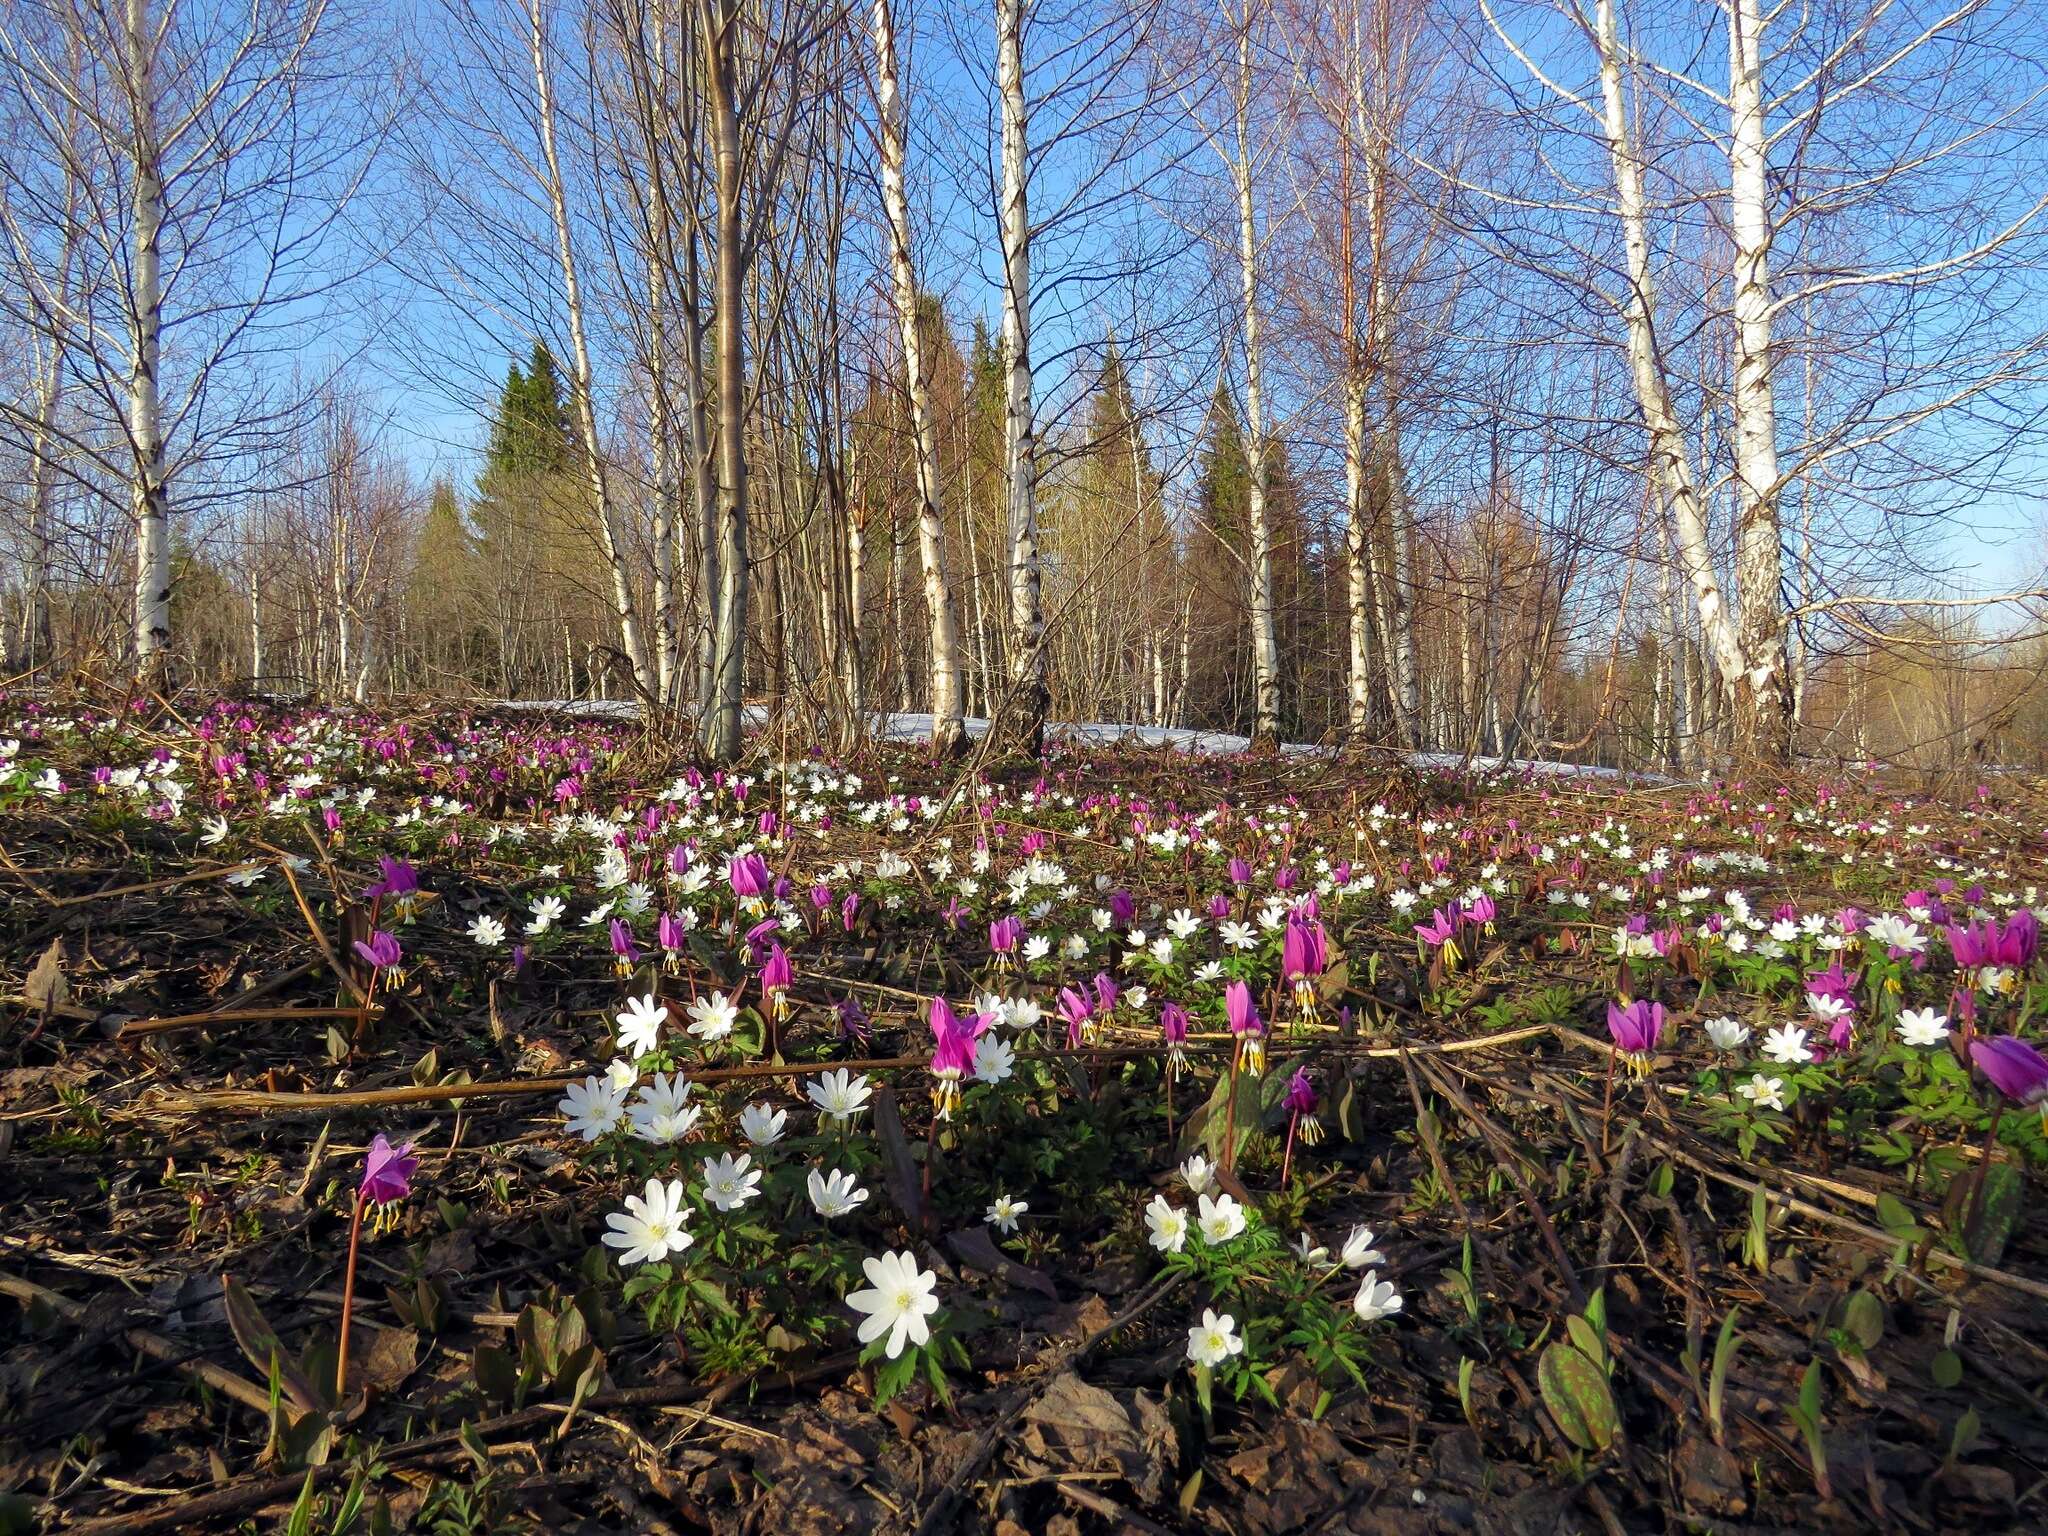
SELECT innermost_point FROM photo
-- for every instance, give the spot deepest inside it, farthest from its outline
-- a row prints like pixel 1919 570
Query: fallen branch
pixel 240 1388
pixel 198 1511
pixel 239 1101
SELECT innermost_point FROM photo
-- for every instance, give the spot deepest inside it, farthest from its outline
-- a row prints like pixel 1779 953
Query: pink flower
pixel 387 1172
pixel 747 874
pixel 1079 1013
pixel 1173 1027
pixel 953 1039
pixel 2014 1067
pixel 1246 1024
pixel 380 951
pixel 1635 1030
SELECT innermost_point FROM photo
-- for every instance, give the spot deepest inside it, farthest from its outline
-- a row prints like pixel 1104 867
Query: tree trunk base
pixel 949 741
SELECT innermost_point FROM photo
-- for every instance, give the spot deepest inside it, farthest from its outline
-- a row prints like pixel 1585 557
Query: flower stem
pixel 1607 1104
pixel 1229 1149
pixel 348 1299
pixel 1974 1208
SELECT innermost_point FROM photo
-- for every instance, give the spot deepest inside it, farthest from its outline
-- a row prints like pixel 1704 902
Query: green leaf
pixel 1863 1318
pixel 1983 1214
pixel 1947 1369
pixel 265 1350
pixel 1899 1221
pixel 1589 1342
pixel 1576 1392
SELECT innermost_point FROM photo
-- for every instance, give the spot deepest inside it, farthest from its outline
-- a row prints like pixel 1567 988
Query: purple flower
pixel 1482 912
pixel 395 878
pixel 776 976
pixel 387 1172
pixel 853 1020
pixel 1219 907
pixel 1635 1029
pixel 1240 873
pixel 1833 982
pixel 1442 931
pixel 1301 1096
pixel 1985 945
pixel 953 1037
pixel 1079 1013
pixel 380 951
pixel 1246 1024
pixel 2016 1068
pixel 1005 934
pixel 669 932
pixel 747 874
pixel 849 909
pixel 1123 910
pixel 1173 1028
pixel 1106 993
pixel 1304 949
pixel 625 954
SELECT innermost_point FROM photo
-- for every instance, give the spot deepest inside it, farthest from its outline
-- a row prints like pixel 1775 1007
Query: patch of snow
pixel 913 726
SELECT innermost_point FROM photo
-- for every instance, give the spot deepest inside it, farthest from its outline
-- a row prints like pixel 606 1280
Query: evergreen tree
pixel 1223 497
pixel 441 591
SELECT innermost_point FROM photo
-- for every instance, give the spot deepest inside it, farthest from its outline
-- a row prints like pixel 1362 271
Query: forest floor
pixel 1532 1217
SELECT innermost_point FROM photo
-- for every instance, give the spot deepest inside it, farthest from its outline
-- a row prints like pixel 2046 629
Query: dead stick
pixel 231 1016
pixel 313 927
pixel 255 1102
pixel 240 1388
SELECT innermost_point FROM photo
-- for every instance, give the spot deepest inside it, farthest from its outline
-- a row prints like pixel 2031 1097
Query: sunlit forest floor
pixel 1128 1141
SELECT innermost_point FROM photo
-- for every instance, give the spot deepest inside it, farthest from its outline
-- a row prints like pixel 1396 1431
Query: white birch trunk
pixel 149 496
pixel 1357 561
pixel 623 601
pixel 1765 698
pixel 43 448
pixel 949 733
pixel 1031 699
pixel 722 739
pixel 1670 458
pixel 1265 643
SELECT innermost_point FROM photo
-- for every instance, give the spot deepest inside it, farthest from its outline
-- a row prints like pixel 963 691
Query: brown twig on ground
pixel 240 1388
pixel 977 1455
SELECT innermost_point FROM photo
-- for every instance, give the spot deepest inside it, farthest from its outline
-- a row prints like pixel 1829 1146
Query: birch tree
pixel 624 600
pixel 211 154
pixel 1030 698
pixel 1877 167
pixel 949 735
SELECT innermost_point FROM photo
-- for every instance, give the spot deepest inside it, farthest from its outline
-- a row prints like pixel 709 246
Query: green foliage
pixel 1572 1374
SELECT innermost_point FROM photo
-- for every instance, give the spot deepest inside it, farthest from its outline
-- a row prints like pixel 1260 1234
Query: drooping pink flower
pixel 1635 1029
pixel 1106 994
pixel 1300 1101
pixel 1079 1014
pixel 625 953
pixel 777 975
pixel 1005 935
pixel 1246 1024
pixel 380 952
pixel 953 1036
pixel 2015 1067
pixel 671 935
pixel 1173 1028
pixel 747 874
pixel 387 1171
pixel 395 877
pixel 1986 946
